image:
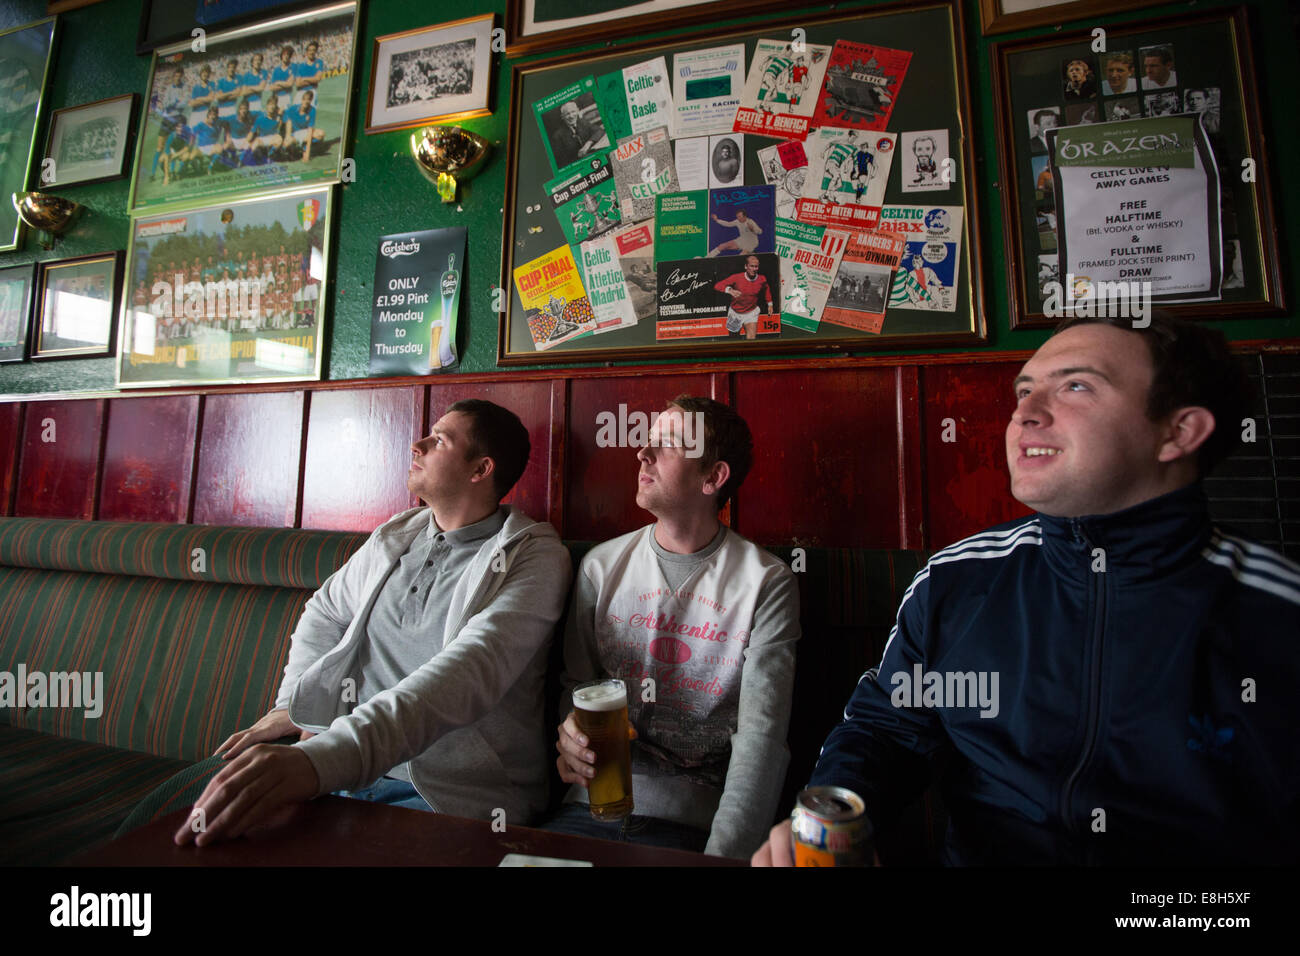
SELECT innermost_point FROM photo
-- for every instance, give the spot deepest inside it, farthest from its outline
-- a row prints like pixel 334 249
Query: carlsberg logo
pixel 407 247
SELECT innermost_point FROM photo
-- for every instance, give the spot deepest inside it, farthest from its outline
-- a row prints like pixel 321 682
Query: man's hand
pixel 248 791
pixel 777 851
pixel 273 726
pixel 576 763
pixel 779 848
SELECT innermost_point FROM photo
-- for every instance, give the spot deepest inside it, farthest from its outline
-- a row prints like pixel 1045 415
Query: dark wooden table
pixel 336 831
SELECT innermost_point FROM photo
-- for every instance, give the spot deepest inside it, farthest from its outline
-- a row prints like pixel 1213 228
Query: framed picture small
pixel 77 306
pixel 441 72
pixel 90 143
pixel 16 285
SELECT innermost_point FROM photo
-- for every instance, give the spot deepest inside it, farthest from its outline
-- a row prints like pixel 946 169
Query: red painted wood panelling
pixel 531 401
pixel 358 453
pixel 249 453
pixel 57 478
pixel 826 469
pixel 149 459
pixel 11 419
pixel 967 484
pixel 600 487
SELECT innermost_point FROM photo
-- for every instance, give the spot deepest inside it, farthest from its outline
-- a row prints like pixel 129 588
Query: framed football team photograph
pixel 16 284
pixel 75 306
pixel 89 143
pixel 441 72
pixel 229 293
pixel 261 107
pixel 24 70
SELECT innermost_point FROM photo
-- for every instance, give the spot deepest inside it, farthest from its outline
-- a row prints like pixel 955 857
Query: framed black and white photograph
pixel 16 285
pixel 442 72
pixel 77 306
pixel 90 143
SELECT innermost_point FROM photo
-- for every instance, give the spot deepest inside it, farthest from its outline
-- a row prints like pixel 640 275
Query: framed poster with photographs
pixel 260 107
pixel 169 21
pixel 228 293
pixel 1006 16
pixel 625 240
pixel 16 285
pixel 1128 167
pixel 89 144
pixel 24 71
pixel 442 72
pixel 75 306
pixel 536 25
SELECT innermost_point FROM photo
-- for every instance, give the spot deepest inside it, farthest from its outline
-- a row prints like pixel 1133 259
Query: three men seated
pixel 1141 662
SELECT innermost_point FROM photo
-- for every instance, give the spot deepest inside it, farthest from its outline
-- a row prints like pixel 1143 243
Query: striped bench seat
pixel 188 627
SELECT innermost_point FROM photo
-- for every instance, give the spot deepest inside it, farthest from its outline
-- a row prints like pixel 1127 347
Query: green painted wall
pixel 94 59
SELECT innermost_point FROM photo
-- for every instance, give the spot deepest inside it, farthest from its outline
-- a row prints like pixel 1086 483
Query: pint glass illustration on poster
pixel 417 301
pixel 227 293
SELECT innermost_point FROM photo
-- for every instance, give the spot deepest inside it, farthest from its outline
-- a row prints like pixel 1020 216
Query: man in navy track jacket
pixel 1113 680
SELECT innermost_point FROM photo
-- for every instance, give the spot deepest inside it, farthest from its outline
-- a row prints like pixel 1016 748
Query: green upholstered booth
pixel 190 627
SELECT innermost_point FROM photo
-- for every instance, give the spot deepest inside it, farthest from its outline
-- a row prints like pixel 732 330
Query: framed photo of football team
pixel 89 143
pixel 440 73
pixel 75 304
pixel 1137 171
pixel 227 293
pixel 261 107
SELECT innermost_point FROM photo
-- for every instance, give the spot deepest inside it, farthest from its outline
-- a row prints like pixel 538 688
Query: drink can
pixel 830 828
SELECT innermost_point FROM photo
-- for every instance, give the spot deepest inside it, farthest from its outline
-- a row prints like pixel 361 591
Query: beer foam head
pixel 607 695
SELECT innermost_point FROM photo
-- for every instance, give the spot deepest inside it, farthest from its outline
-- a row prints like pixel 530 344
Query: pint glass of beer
pixel 600 711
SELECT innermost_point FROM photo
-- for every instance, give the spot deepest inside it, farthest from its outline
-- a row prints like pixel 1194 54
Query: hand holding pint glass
pixel 600 715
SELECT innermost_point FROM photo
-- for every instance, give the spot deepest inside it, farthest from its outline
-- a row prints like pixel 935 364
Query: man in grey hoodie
pixel 416 672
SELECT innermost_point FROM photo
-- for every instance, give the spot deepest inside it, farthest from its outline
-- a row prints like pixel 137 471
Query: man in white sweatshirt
pixel 701 626
pixel 416 673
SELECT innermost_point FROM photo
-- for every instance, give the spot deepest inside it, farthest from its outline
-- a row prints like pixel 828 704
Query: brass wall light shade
pixel 51 215
pixel 448 154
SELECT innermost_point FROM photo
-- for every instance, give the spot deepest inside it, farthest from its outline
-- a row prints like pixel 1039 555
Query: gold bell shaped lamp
pixel 447 155
pixel 50 215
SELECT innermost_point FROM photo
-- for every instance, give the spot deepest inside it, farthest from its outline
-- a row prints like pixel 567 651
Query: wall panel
pixel 967 486
pixel 149 459
pixel 60 459
pixel 249 459
pixel 358 453
pixel 826 463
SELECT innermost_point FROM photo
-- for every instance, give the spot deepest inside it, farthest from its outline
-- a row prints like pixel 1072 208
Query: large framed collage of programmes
pixel 740 193
pixel 239 148
pixel 1138 171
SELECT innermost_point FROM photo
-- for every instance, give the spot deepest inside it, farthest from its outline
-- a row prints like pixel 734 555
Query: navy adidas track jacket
pixel 1148 705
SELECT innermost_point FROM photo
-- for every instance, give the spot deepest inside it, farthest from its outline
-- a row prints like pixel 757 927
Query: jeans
pixel 395 793
pixel 576 819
